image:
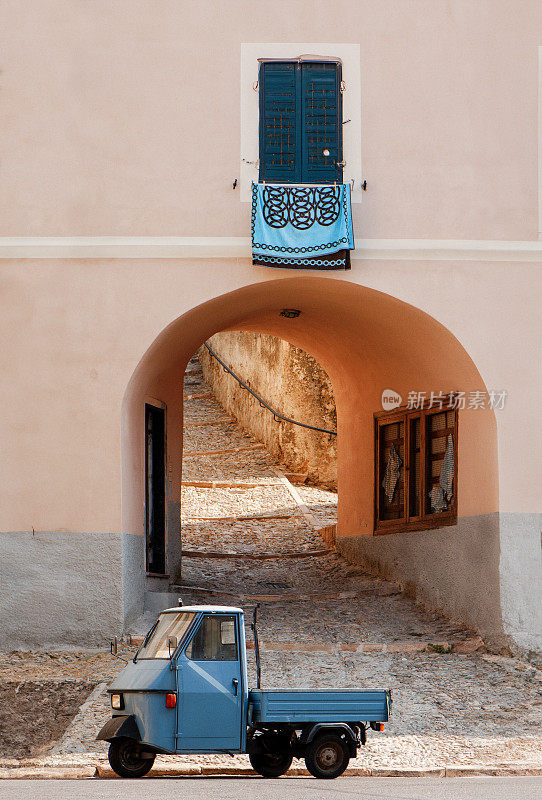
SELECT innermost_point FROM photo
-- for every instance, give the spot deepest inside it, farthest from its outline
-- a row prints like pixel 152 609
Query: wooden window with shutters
pixel 415 469
pixel 300 121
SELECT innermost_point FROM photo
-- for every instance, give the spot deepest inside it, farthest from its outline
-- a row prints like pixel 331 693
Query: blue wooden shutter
pixel 321 122
pixel 300 118
pixel 280 129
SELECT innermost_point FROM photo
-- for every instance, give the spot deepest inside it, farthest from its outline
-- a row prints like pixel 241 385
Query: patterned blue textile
pixel 301 221
pixel 338 260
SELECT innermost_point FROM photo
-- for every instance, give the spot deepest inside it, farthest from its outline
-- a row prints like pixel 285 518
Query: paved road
pixel 291 788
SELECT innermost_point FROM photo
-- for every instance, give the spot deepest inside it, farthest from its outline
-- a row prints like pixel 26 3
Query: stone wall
pixel 291 382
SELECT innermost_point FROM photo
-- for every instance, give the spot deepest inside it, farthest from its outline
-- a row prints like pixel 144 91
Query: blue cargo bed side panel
pixel 320 705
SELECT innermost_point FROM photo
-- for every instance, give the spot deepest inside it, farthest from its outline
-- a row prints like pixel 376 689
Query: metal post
pixel 256 646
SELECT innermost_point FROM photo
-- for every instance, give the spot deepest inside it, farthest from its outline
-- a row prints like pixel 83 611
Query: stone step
pixel 393 648
pixel 201 396
pixel 257 556
pixel 351 647
pixel 230 484
pixel 244 518
pixel 287 597
pixel 226 421
pixel 196 453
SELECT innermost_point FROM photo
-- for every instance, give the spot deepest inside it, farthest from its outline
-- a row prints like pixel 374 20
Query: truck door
pixel 210 687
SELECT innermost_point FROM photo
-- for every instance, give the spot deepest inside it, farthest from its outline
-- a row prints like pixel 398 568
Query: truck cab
pixel 186 691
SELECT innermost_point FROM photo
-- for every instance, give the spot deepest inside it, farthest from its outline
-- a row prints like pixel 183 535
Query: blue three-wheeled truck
pixel 187 691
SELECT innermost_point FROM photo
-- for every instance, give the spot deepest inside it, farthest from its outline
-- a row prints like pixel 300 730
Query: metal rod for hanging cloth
pixel 276 414
pixel 299 185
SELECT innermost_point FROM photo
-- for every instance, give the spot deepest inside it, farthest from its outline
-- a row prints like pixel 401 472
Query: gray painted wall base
pixel 80 589
pixel 133 576
pixel 173 539
pixel 59 589
pixel 454 570
pixel 521 579
pixel 155 602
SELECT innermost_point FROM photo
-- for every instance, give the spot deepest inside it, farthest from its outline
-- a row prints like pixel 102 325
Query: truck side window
pixel 214 640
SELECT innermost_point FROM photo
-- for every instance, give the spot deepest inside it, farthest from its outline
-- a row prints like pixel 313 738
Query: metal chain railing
pixel 277 416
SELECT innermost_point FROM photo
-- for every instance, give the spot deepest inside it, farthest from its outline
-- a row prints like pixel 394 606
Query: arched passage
pixel 366 341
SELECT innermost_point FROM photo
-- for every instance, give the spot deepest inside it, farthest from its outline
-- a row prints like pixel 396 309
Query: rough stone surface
pixel 291 382
pixel 35 713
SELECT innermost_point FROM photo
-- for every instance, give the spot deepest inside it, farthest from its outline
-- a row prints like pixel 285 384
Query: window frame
pixel 151 633
pixel 206 615
pixel 423 521
pixel 300 154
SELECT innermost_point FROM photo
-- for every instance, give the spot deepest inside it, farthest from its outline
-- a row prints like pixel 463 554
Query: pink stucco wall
pixel 123 118
pixel 77 330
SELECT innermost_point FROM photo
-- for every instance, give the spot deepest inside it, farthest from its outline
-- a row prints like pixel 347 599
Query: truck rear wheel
pixel 327 756
pixel 125 758
pixel 270 765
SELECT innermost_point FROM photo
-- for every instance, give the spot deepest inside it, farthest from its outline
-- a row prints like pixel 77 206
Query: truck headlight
pixel 117 702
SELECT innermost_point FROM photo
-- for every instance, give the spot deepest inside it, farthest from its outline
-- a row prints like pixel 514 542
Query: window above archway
pixel 348 55
pixel 300 120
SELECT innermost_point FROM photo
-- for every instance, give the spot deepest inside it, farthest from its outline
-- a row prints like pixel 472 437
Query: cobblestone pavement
pixel 323 622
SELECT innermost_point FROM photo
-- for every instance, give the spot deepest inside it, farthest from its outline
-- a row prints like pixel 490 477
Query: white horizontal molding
pixel 447 250
pixel 125 247
pixel 183 247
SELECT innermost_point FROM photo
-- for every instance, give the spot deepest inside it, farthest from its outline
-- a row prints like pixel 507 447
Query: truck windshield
pixel 170 623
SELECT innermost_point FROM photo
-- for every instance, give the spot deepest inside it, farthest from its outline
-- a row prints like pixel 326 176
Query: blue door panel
pixel 211 687
pixel 209 710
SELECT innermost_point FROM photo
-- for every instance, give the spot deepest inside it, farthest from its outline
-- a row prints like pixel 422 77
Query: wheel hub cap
pixel 328 756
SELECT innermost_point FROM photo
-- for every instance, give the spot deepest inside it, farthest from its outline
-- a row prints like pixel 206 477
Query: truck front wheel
pixel 327 756
pixel 125 758
pixel 270 765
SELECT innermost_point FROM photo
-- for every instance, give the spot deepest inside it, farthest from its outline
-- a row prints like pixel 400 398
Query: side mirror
pixel 172 643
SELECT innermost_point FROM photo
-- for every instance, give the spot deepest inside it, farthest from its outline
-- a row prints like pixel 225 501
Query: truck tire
pixel 327 756
pixel 270 765
pixel 124 757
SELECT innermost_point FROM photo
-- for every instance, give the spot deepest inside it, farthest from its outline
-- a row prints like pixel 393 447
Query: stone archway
pixel 366 341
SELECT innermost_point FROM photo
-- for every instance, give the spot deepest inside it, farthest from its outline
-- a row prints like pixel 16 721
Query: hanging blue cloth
pixel 301 222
